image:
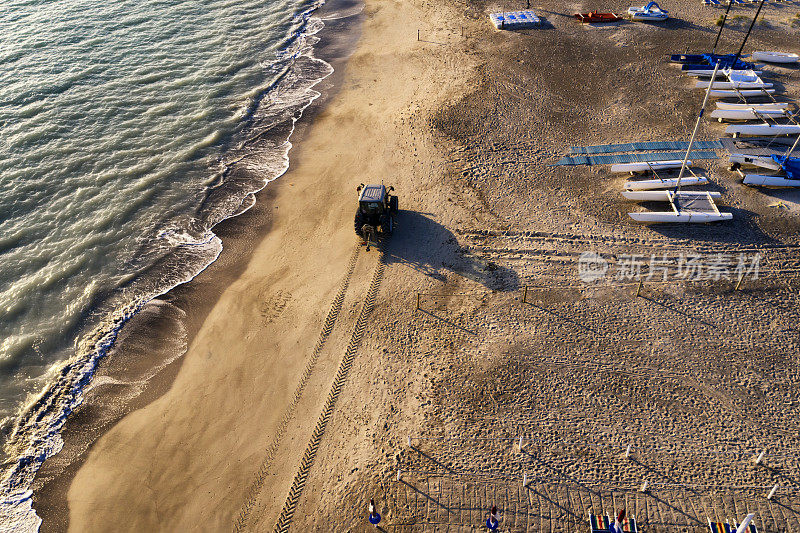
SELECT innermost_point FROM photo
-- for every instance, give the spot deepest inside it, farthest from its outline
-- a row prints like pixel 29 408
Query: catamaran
pixel 766 129
pixel 790 166
pixel 770 106
pixel 748 114
pixel 737 79
pixel 696 207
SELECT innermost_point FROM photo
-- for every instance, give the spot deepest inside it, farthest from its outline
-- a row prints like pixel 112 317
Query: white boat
pixel 728 93
pixel 682 216
pixel 776 57
pixel 758 107
pixel 665 196
pixel 733 85
pixel 649 13
pixel 762 180
pixel 747 114
pixel 762 129
pixel 761 161
pixel 737 79
pixel 706 73
pixel 664 183
pixel 648 165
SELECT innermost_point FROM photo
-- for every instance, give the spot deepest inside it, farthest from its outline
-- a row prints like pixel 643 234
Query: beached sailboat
pixel 646 166
pixel 666 196
pixel 699 207
pixel 761 161
pixel 776 57
pixel 789 165
pixel 764 129
pixel 649 13
pixel 664 183
pixel 748 114
pixel 731 93
pixel 737 79
pixel 771 106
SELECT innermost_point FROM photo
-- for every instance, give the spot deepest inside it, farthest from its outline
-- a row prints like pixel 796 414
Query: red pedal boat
pixel 594 16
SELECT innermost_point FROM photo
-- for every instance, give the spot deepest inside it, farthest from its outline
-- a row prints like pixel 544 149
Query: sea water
pixel 121 127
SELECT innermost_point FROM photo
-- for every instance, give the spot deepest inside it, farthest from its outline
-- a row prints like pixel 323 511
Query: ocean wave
pixel 179 254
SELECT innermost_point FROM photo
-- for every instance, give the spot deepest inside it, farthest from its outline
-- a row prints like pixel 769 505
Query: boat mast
pixel 752 23
pixel 697 126
pixel 721 26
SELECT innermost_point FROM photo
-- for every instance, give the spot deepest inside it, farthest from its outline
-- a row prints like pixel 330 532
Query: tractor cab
pixel 371 201
pixel 376 211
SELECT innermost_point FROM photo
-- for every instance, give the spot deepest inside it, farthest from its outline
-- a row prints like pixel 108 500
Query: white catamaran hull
pixel 762 129
pixel 666 196
pixel 761 180
pixel 732 85
pixel 758 107
pixel 755 160
pixel 725 93
pixel 706 73
pixel 747 114
pixel 668 183
pixel 670 216
pixel 652 165
pixel 775 57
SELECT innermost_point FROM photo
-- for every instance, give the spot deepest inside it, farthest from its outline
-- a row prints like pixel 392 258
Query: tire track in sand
pixel 269 454
pixel 299 482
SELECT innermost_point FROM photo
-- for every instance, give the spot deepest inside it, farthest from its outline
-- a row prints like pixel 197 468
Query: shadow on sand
pixel 423 244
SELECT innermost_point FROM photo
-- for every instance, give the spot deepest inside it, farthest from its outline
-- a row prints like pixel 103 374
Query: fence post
pixel 739 283
pixel 418 307
pixel 639 288
pixel 628 452
pixel 418 35
pixel 644 486
pixel 524 480
pixel 398 474
pixel 409 441
pixel 772 492
pixel 525 294
pixel 760 458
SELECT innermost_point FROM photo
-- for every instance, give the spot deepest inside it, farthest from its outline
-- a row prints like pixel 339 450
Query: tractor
pixel 376 211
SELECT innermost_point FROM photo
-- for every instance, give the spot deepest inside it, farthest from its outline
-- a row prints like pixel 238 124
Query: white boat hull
pixel 652 165
pixel 760 180
pixel 670 216
pixel 733 85
pixel 755 160
pixel 762 129
pixel 775 57
pixel 725 93
pixel 757 107
pixel 665 196
pixel 747 114
pixel 668 183
pixel 706 73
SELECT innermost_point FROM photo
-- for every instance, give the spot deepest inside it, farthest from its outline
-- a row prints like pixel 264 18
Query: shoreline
pixel 482 216
pixel 197 296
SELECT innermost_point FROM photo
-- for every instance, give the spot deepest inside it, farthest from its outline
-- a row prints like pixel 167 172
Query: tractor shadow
pixel 421 243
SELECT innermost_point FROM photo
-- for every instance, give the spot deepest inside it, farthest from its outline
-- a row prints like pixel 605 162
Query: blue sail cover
pixel 790 164
pixel 651 5
pixel 727 61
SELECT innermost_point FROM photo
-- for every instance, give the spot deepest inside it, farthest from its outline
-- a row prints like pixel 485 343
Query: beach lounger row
pixel 602 524
pixel 725 527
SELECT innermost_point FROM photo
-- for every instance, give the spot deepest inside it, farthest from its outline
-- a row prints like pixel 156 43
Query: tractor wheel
pixel 393 204
pixel 359 223
pixel 387 225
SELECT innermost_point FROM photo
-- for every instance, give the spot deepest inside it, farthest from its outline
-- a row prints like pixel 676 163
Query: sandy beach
pixel 309 368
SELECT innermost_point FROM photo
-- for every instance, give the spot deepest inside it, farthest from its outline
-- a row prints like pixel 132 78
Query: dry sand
pixel 463 123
